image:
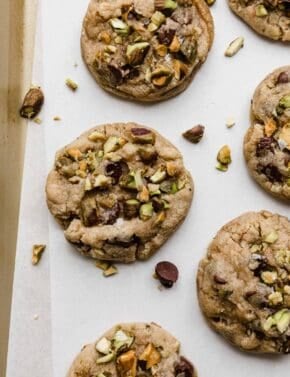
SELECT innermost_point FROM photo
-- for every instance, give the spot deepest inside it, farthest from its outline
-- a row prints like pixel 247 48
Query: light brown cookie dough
pixel 270 18
pixel 119 191
pixel 244 282
pixel 267 141
pixel 132 350
pixel 146 50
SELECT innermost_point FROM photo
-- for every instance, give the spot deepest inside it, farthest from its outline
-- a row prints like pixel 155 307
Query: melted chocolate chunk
pixel 272 173
pixel 184 368
pixel 264 145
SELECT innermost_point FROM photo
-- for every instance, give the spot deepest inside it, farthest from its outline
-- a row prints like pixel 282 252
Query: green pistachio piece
pixel 169 187
pixel 269 323
pixel 285 102
pixel 122 341
pixel 103 346
pixel 154 189
pixel 136 53
pixel 102 181
pixel 161 76
pixel 113 143
pixel 159 175
pixel 221 167
pixel 131 208
pixel 158 18
pixel 106 359
pixel 165 4
pixel 138 179
pixel 188 49
pixel 282 319
pixel 152 27
pixel 128 182
pixel 146 211
pixel 119 26
pixel 261 11
pixel 271 237
pixel 224 155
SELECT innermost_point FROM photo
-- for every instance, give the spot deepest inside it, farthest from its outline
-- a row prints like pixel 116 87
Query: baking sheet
pixel 82 303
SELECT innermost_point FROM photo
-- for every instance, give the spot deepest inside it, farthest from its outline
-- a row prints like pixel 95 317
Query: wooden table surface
pixel 17 29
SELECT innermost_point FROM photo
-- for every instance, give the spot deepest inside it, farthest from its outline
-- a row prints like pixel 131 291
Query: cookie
pixel 270 18
pixel 135 350
pixel 267 141
pixel 119 191
pixel 244 282
pixel 146 50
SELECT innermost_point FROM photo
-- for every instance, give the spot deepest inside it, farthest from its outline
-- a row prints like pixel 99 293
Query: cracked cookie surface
pixel 244 282
pixel 146 50
pixel 270 18
pixel 135 350
pixel 267 141
pixel 119 191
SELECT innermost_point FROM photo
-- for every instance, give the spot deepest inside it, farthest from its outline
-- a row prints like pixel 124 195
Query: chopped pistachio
pixel 110 49
pixel 166 187
pixel 143 195
pixel 275 298
pixel 128 182
pixel 287 289
pixel 136 53
pixel 56 118
pixel 106 359
pixel 224 155
pixel 269 277
pixel 234 47
pixel 113 143
pixel 181 183
pixel 151 355
pixel 112 270
pixel 104 37
pixel 146 211
pixel 161 50
pixel 268 324
pixel 282 257
pixel 141 135
pixel 161 76
pixel 165 4
pixel 152 27
pixel 75 153
pixel 175 44
pixel 154 189
pixel 159 175
pixel 210 2
pixel 88 184
pixel 270 127
pixel 131 208
pixel 282 319
pixel 230 122
pixel 160 218
pixel 285 102
pixel 119 26
pixel 180 69
pixel 118 40
pixel 158 18
pixel 71 84
pixel 139 180
pixel 37 252
pixel 96 136
pixel 103 346
pixel 171 168
pixel 261 11
pixel 122 341
pixel 102 265
pixel 271 237
pixel 102 181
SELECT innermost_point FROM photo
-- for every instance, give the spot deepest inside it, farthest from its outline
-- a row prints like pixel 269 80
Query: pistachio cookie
pixel 270 18
pixel 267 141
pixel 146 50
pixel 135 350
pixel 119 191
pixel 244 282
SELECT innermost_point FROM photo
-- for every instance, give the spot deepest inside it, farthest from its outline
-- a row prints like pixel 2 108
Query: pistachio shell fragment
pixel 234 47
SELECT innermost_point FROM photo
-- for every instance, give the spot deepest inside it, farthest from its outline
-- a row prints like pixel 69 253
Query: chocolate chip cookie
pixel 244 282
pixel 135 350
pixel 267 141
pixel 146 50
pixel 270 18
pixel 119 191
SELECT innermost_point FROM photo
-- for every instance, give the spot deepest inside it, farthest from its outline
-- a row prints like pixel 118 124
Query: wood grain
pixel 17 28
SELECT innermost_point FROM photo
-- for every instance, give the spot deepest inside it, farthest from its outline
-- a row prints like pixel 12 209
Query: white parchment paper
pixel 82 303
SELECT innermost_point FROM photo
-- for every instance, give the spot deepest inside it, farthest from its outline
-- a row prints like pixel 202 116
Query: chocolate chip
pixel 115 74
pixel 218 279
pixel 283 78
pixel 158 204
pixel 109 216
pixel 138 131
pixel 32 103
pixel 272 173
pixel 264 145
pixel 184 368
pixel 167 273
pixel 115 170
pixel 165 35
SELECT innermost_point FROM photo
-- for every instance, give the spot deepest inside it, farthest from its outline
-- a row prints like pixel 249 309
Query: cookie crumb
pixel 37 120
pixel 35 317
pixel 37 252
pixel 230 122
pixel 112 270
pixel 71 84
pixel 56 118
pixel 234 47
